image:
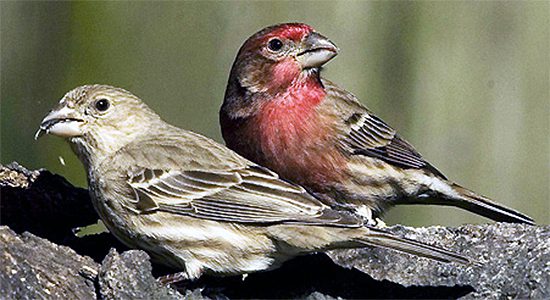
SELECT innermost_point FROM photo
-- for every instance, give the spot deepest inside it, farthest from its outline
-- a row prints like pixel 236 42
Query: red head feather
pixel 291 31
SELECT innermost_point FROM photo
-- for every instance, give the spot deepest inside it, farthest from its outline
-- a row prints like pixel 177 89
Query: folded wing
pixel 248 195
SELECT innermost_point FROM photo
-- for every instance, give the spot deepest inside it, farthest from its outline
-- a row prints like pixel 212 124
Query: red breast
pixel 295 140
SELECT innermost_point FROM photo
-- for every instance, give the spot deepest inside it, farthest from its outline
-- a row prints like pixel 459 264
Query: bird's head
pixel 99 118
pixel 276 56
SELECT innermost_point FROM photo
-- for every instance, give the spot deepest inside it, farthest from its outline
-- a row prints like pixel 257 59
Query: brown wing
pixel 368 135
pixel 251 195
pixel 167 178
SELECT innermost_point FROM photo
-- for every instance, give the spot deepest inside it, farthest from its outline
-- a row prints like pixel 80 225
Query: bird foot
pixel 379 223
pixel 172 278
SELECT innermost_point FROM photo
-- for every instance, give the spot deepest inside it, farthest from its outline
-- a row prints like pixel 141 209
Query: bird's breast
pixel 297 142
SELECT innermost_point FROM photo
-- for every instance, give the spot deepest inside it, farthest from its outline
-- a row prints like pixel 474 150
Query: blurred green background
pixel 467 83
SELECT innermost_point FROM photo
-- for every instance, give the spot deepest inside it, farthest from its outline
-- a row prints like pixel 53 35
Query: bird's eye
pixel 102 104
pixel 275 45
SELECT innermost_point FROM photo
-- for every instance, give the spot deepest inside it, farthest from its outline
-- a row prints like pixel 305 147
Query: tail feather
pixel 381 238
pixel 443 192
pixel 488 208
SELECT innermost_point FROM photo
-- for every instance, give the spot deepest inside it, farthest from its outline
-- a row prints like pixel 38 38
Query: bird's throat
pixel 291 112
pixel 298 98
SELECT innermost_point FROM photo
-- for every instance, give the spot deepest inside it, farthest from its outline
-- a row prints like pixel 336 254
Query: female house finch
pixel 279 112
pixel 190 202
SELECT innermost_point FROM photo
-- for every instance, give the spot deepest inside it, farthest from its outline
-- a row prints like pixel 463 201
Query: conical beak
pixel 316 51
pixel 63 122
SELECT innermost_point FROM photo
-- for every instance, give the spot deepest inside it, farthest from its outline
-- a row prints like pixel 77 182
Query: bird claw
pixel 172 278
pixel 379 223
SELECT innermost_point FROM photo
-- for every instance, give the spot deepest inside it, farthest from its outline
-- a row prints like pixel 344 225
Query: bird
pixel 193 204
pixel 280 113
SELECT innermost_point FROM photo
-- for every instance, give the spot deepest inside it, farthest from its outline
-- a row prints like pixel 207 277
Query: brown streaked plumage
pixel 193 204
pixel 320 136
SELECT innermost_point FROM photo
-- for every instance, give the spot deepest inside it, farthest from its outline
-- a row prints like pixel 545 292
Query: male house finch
pixel 279 113
pixel 190 202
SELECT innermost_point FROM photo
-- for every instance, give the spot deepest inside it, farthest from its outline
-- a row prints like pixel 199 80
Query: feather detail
pixel 367 135
pixel 248 195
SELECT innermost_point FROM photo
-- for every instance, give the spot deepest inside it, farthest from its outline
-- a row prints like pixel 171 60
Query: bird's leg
pixel 378 223
pixel 192 271
pixel 366 213
pixel 173 278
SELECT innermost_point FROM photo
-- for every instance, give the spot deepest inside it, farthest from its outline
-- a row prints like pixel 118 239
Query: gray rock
pixel 128 276
pixel 33 268
pixel 42 203
pixel 15 175
pixel 515 260
pixel 48 206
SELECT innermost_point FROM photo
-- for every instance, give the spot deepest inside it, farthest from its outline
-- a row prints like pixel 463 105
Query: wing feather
pixel 369 135
pixel 248 195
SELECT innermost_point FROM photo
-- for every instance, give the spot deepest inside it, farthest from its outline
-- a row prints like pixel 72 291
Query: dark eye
pixel 102 104
pixel 275 45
